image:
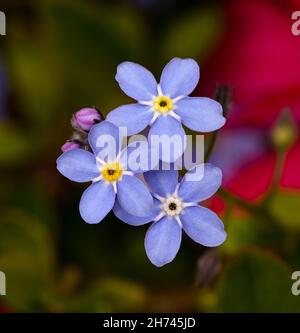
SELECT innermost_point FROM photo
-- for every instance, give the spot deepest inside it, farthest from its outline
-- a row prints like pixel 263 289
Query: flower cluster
pixel 139 193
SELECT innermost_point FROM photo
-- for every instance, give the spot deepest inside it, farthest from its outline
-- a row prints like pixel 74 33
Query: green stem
pixel 211 146
pixel 228 211
pixel 276 178
pixel 257 209
pixel 222 94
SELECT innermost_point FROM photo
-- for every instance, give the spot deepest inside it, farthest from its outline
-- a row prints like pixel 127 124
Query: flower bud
pixel 284 131
pixel 85 118
pixel 69 145
pixel 208 267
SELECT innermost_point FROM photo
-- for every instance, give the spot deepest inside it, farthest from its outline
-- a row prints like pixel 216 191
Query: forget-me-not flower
pixel 165 106
pixel 108 169
pixel 175 208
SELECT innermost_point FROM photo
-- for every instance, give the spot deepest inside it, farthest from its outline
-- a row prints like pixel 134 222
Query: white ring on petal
pixel 177 218
pixel 128 173
pixel 97 179
pixel 159 91
pixel 176 99
pixel 155 116
pixel 158 197
pixel 147 103
pixel 99 160
pixel 114 184
pixel 159 216
pixel 174 115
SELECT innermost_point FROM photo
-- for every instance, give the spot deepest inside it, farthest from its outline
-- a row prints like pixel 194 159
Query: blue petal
pixel 105 140
pixel 167 136
pixel 193 190
pixel 96 202
pixel 78 165
pixel 162 241
pixel 179 77
pixel 135 220
pixel 134 196
pixel 138 158
pixel 162 182
pixel 200 113
pixel 135 117
pixel 136 81
pixel 203 226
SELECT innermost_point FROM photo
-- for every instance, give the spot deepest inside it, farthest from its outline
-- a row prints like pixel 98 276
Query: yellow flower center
pixel 112 172
pixel 163 104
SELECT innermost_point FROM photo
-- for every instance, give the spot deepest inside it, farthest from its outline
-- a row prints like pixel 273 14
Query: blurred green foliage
pixel 61 56
pixel 285 207
pixel 255 282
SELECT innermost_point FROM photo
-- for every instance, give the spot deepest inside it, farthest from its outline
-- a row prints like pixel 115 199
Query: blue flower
pixel 108 169
pixel 165 106
pixel 175 208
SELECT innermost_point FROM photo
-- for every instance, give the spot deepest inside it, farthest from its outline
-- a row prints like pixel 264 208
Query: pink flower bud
pixel 69 145
pixel 86 118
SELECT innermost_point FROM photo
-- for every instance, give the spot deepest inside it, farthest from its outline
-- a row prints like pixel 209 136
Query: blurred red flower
pixel 259 57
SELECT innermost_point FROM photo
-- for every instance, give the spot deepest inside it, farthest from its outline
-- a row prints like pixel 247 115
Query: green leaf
pixel 256 281
pixel 15 145
pixel 36 80
pixel 25 281
pixel 119 294
pixel 87 44
pixel 192 35
pixel 27 258
pixel 246 231
pixel 107 295
pixel 285 207
pixel 112 32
